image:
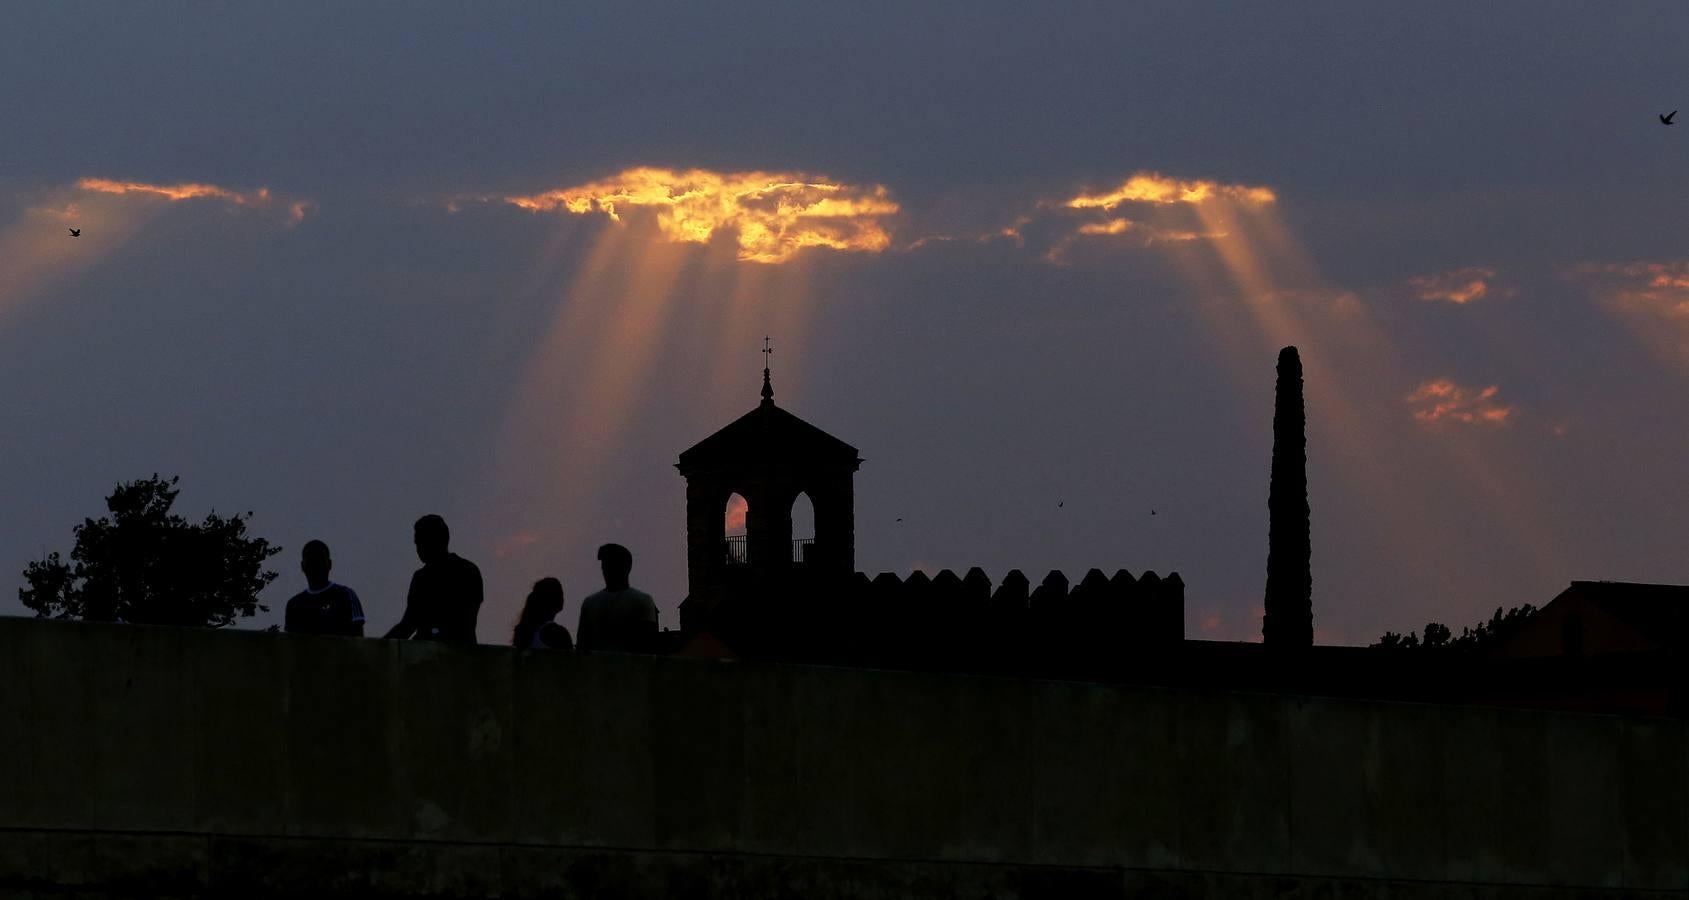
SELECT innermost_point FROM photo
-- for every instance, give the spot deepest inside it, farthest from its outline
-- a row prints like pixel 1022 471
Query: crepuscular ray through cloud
pixel 36 246
pixel 773 215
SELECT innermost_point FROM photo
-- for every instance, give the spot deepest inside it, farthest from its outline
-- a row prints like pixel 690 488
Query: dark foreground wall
pixel 144 762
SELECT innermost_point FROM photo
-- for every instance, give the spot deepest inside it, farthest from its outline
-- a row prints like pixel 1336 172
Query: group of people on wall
pixel 445 598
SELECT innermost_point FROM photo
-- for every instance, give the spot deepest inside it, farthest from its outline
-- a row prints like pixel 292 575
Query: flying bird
pixel 76 232
pixel 1058 504
pixel 1152 512
pixel 1666 119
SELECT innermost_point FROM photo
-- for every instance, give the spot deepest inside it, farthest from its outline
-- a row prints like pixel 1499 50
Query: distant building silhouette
pixel 1598 617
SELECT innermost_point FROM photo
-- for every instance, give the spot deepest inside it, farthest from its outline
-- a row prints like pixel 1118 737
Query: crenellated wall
pixel 948 622
pixel 149 762
pixel 1147 609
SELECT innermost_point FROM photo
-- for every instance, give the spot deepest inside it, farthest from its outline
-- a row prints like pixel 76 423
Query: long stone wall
pixel 143 762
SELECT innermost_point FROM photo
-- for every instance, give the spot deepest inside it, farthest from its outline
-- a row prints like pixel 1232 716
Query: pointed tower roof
pixel 768 436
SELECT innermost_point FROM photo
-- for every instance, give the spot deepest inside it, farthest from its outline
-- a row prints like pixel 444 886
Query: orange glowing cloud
pixel 1651 298
pixel 1441 400
pixel 1458 286
pixel 1165 235
pixel 1160 190
pixel 35 248
pixel 193 190
pixel 1170 211
pixel 1147 235
pixel 1659 288
pixel 1012 232
pixel 187 191
pixel 1111 226
pixel 774 215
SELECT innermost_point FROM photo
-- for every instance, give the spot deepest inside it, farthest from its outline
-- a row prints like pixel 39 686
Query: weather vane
pixel 767 387
pixel 767 351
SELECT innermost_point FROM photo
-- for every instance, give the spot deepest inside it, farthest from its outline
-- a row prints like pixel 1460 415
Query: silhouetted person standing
pixel 445 594
pixel 323 607
pixel 618 618
pixel 535 629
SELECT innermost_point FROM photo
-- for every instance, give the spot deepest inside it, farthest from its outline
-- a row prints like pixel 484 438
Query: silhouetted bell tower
pixel 769 457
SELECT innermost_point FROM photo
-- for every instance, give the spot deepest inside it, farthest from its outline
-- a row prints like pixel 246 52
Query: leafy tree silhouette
pixel 145 564
pixel 1478 637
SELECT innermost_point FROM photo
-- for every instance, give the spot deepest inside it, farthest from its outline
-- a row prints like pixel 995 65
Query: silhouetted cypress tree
pixel 1290 583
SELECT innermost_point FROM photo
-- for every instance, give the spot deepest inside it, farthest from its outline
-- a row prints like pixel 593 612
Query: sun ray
pixel 755 294
pixel 1292 303
pixel 37 247
pixel 1649 298
pixel 637 303
pixel 627 338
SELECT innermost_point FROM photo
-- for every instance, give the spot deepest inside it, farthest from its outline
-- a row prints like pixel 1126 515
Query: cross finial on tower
pixel 767 386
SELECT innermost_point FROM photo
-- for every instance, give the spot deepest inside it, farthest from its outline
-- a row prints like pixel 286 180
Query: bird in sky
pixel 1666 119
pixel 1058 504
pixel 899 518
pixel 76 232
pixel 1152 512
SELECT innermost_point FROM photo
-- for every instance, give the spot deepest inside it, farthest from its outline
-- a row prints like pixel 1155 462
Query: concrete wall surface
pixel 164 762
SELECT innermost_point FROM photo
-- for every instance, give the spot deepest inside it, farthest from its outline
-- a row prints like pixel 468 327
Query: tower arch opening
pixel 803 527
pixel 735 516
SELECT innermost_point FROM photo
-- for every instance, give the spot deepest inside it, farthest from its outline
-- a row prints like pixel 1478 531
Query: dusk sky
pixel 344 265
